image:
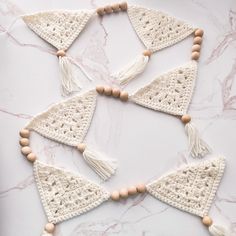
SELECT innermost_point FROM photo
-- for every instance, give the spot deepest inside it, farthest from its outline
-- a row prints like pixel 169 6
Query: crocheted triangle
pixel 191 189
pixel 170 92
pixel 65 194
pixel 59 28
pixel 68 121
pixel 156 29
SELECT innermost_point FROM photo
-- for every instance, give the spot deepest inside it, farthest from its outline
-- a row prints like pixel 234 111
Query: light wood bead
pixel 115 7
pixel 124 193
pixel 108 9
pixel 100 11
pixel 24 142
pixel 49 228
pixel 124 96
pixel 115 195
pixel 141 188
pixel 206 220
pixel 197 40
pixel 186 118
pixel 61 53
pixel 100 89
pixel 132 190
pixel 115 92
pixel 26 150
pixel 25 133
pixel 147 53
pixel 81 147
pixel 196 48
pixel 31 157
pixel 123 6
pixel 107 91
pixel 195 56
pixel 199 32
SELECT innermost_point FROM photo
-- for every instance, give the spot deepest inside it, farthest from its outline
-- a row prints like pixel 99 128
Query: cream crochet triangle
pixel 191 189
pixel 65 194
pixel 59 28
pixel 170 92
pixel 68 121
pixel 156 29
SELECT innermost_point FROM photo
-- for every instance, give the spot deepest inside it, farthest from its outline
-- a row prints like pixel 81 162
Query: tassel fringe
pixel 217 230
pixel 46 234
pixel 198 148
pixel 103 166
pixel 68 82
pixel 128 73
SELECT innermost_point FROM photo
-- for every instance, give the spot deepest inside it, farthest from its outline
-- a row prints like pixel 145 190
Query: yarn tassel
pixel 68 82
pixel 104 167
pixel 128 73
pixel 198 148
pixel 46 234
pixel 217 230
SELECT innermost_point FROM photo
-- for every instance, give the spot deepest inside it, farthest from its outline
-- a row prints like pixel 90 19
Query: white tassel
pixel 217 230
pixel 46 234
pixel 68 82
pixel 129 72
pixel 104 167
pixel 197 146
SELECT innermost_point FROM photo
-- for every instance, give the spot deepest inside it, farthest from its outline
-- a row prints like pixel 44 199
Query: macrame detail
pixel 65 194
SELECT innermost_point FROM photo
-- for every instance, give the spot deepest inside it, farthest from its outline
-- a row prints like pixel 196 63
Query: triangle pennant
pixel 59 28
pixel 170 92
pixel 191 189
pixel 68 121
pixel 156 29
pixel 65 194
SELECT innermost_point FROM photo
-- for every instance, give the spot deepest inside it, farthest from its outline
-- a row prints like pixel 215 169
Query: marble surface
pixel 146 143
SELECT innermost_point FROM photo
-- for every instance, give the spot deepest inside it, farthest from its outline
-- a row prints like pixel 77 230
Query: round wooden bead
pixel 123 6
pixel 147 53
pixel 31 157
pixel 132 190
pixel 61 53
pixel 197 40
pixel 24 142
pixel 108 91
pixel 108 9
pixel 206 220
pixel 199 32
pixel 25 133
pixel 124 96
pixel 186 118
pixel 124 193
pixel 115 92
pixel 195 55
pixel 49 228
pixel 115 7
pixel 141 188
pixel 100 11
pixel 115 195
pixel 26 150
pixel 196 48
pixel 100 89
pixel 81 147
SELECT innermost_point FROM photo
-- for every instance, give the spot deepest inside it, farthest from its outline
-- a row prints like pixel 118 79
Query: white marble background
pixel 146 143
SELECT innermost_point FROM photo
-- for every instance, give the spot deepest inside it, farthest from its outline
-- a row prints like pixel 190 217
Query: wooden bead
pixel 147 53
pixel 49 228
pixel 124 96
pixel 108 9
pixel 100 11
pixel 115 195
pixel 61 53
pixel 206 220
pixel 115 7
pixel 31 157
pixel 123 6
pixel 115 92
pixel 195 56
pixel 26 150
pixel 197 40
pixel 24 142
pixel 100 89
pixel 24 133
pixel 124 193
pixel 107 91
pixel 141 188
pixel 196 48
pixel 199 32
pixel 186 118
pixel 132 190
pixel 81 147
